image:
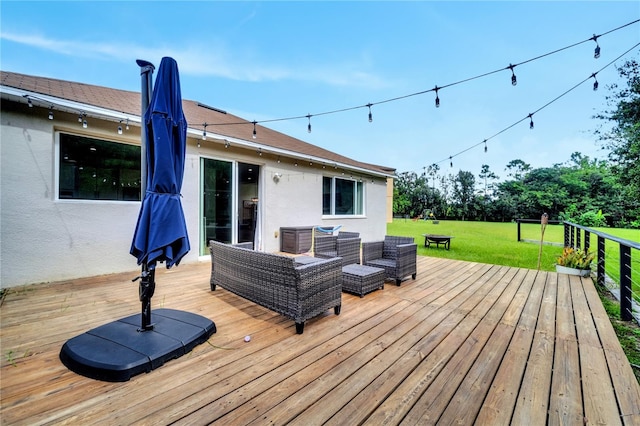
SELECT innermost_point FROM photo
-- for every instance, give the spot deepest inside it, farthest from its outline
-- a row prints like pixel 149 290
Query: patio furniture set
pixel 302 287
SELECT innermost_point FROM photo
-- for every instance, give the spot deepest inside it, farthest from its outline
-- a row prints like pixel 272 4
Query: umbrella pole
pixel 147 281
pixel 147 288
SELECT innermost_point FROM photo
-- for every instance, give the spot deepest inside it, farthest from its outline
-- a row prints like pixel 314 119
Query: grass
pixel 496 243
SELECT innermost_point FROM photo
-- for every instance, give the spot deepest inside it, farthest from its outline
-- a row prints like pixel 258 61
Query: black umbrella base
pixel 117 351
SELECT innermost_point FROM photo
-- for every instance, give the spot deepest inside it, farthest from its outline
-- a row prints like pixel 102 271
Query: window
pixel 94 169
pixel 342 196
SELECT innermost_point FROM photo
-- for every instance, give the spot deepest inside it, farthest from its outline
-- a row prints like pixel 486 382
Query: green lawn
pixel 496 243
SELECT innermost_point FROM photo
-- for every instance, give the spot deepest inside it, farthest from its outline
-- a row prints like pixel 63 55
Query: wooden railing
pixel 578 236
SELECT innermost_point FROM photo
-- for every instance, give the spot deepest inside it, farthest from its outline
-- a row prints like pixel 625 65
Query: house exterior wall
pixel 43 239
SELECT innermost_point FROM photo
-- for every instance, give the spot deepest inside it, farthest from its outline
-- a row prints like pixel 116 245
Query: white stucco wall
pixel 43 239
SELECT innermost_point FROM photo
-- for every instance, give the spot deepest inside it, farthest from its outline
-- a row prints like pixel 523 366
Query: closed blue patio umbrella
pixel 161 230
pixel 120 349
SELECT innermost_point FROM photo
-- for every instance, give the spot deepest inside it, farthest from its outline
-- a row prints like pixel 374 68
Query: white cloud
pixel 213 60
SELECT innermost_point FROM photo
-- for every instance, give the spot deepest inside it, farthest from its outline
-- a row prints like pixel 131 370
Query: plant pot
pixel 573 271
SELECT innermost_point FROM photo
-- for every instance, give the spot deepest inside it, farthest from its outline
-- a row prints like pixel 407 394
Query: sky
pixel 271 60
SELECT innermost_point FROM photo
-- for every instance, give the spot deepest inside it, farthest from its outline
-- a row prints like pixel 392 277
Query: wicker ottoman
pixel 361 279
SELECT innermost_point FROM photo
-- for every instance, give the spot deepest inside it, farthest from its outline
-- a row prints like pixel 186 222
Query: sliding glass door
pixel 229 202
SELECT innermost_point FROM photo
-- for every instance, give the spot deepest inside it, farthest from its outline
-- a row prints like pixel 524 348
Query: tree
pixel 463 193
pixel 623 137
pixel 487 177
pixel 517 169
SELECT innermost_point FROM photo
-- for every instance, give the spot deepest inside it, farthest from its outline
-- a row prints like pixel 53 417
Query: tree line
pixel 587 191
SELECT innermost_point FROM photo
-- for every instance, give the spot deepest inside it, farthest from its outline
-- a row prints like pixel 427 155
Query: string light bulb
pixel 450 162
pixel 80 118
pixel 514 80
pixel 596 52
pixel 260 152
pixel 204 133
pixel 309 125
pixel 120 127
pixel 485 145
pixel 254 129
pixel 127 125
pixel 531 121
pixel 370 115
pixel 226 143
pixel 437 98
pixel 595 83
pixel 84 121
pixel 51 112
pixel 29 102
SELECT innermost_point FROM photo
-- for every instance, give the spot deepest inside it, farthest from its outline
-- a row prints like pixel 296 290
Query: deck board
pixel 464 343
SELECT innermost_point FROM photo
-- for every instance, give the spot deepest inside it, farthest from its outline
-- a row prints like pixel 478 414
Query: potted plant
pixel 575 262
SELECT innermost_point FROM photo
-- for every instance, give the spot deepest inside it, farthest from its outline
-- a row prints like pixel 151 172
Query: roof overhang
pixel 92 111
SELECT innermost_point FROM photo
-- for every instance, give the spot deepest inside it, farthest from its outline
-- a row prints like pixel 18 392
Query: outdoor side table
pixel 361 279
pixel 445 240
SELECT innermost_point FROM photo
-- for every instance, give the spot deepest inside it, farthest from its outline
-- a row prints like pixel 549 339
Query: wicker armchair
pixel 345 245
pixel 396 255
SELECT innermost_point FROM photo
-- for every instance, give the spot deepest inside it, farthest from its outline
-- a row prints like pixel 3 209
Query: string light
pixel 450 162
pixel 309 125
pixel 259 152
pixel 254 129
pixel 120 127
pixel 51 112
pixel 531 121
pixel 370 115
pixel 84 121
pixel 226 143
pixel 514 80
pixel 596 53
pixel 29 102
pixel 485 145
pixel 511 67
pixel 595 83
pixel 204 133
pixel 127 125
pixel 80 118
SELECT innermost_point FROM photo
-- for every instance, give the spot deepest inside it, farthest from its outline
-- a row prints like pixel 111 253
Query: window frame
pixel 58 170
pixel 358 200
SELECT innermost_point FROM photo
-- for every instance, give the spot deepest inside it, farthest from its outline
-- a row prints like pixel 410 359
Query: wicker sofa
pixel 345 245
pixel 396 255
pixel 299 292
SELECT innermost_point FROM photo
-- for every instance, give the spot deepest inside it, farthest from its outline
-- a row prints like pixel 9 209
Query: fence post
pixel 518 222
pixel 601 261
pixel 625 283
pixel 587 240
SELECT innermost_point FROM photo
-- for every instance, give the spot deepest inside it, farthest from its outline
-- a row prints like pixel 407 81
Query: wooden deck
pixel 464 343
